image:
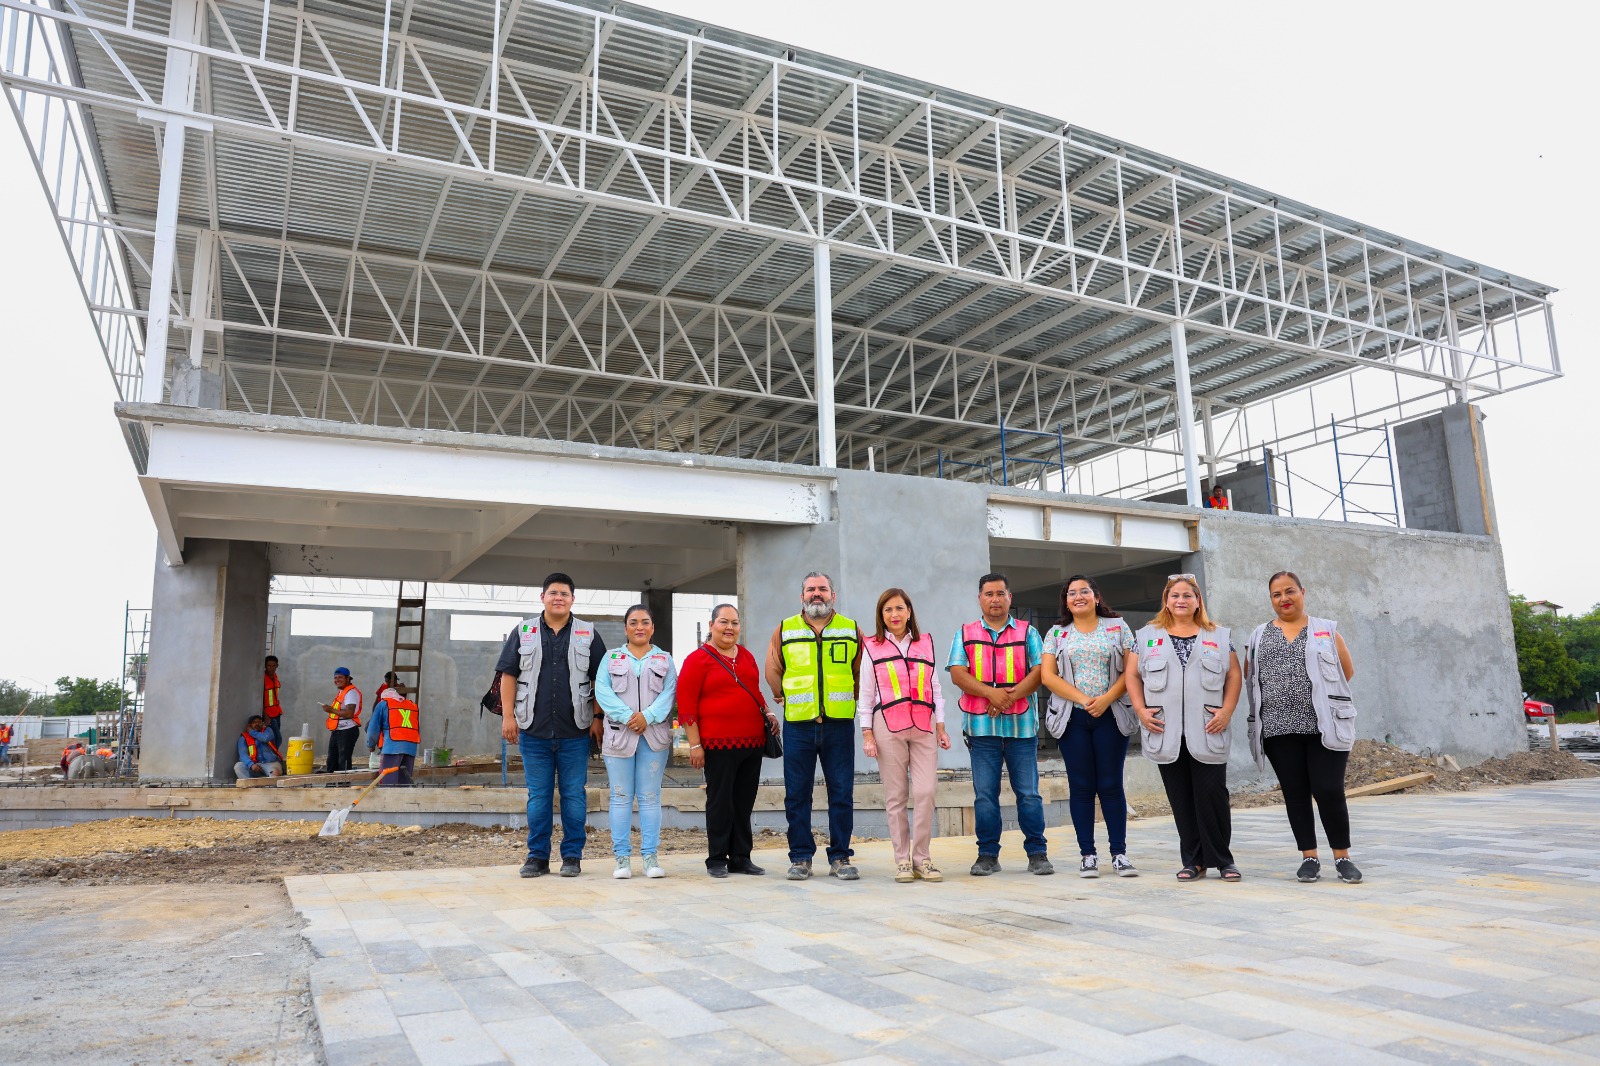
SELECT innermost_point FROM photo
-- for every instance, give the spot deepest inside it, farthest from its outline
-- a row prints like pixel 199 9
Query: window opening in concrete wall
pixel 482 627
pixel 312 622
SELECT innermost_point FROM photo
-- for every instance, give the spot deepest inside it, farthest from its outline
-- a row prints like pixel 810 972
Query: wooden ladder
pixel 410 616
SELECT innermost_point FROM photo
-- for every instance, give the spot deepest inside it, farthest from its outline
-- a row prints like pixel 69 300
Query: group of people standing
pixel 1177 680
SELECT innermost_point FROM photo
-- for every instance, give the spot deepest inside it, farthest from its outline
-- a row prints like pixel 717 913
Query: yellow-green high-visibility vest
pixel 817 670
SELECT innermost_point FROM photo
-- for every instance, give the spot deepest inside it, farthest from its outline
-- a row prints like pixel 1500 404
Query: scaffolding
pixel 128 728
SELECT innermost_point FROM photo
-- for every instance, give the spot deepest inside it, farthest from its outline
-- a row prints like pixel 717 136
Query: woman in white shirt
pixel 900 709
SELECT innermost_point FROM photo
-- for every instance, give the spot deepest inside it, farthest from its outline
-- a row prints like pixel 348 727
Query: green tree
pixel 1581 635
pixel 15 699
pixel 85 695
pixel 1548 672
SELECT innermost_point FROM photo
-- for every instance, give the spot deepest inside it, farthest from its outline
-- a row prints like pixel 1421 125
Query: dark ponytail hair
pixel 1100 608
pixel 1290 574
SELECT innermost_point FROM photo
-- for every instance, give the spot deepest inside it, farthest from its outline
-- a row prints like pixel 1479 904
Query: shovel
pixel 336 817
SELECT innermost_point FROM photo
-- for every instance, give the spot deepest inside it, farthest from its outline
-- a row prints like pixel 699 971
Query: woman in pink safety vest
pixel 900 709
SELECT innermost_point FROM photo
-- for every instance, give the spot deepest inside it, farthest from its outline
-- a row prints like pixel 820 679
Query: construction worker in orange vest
pixel 70 752
pixel 258 755
pixel 395 731
pixel 5 744
pixel 344 721
pixel 271 702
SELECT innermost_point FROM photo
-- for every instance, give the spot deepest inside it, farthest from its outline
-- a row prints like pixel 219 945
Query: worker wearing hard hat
pixel 344 720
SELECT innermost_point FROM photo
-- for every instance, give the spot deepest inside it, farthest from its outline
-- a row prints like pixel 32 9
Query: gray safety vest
pixel 1183 697
pixel 1330 689
pixel 530 644
pixel 637 693
pixel 1060 709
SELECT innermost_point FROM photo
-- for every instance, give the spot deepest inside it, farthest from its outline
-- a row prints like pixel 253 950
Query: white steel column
pixel 177 93
pixel 1211 442
pixel 1180 370
pixel 822 288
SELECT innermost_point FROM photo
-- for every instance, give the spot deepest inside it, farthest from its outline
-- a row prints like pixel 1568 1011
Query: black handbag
pixel 773 748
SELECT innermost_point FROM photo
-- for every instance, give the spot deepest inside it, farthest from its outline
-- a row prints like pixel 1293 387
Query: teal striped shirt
pixel 1013 726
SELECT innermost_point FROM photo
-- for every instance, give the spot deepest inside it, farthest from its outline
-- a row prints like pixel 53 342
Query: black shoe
pixel 1347 871
pixel 1310 870
pixel 717 869
pixel 746 867
pixel 986 865
pixel 532 867
pixel 1038 864
pixel 571 868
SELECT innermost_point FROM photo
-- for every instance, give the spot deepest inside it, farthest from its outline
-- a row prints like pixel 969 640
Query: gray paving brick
pixel 398 956
pixel 390 1050
pixel 450 1038
pixel 497 998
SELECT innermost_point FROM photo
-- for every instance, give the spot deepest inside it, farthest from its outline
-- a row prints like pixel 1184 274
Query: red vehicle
pixel 1535 709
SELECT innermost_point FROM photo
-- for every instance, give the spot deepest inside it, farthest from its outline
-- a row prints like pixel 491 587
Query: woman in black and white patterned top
pixel 1291 735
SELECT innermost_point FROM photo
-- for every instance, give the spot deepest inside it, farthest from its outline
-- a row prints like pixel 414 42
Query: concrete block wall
pixel 455 674
pixel 1442 463
pixel 1425 616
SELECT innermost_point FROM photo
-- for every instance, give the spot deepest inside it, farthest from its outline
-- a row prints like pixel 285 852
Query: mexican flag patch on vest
pixel 1154 643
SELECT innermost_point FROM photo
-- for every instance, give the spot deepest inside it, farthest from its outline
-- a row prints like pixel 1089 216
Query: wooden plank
pixel 1394 784
pixel 348 777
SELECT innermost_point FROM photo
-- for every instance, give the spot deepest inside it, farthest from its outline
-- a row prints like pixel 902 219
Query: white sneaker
pixel 1089 867
pixel 1122 867
pixel 652 868
pixel 624 869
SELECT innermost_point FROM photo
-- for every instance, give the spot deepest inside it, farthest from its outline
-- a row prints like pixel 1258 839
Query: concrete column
pixel 660 603
pixel 942 578
pixel 1442 462
pixel 822 290
pixel 208 630
pixel 1180 370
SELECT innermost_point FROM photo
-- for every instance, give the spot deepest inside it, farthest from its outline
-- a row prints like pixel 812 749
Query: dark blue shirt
pixel 553 713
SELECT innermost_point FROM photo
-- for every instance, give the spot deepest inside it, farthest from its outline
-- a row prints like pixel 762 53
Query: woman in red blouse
pixel 725 718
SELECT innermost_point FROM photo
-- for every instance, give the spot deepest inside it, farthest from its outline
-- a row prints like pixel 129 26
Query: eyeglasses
pixel 1181 577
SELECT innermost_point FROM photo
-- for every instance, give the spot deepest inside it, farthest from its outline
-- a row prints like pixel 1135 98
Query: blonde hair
pixel 1164 619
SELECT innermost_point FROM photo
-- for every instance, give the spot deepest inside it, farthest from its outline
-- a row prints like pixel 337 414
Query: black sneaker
pixel 986 865
pixel 1348 873
pixel 1038 864
pixel 532 867
pixel 746 867
pixel 842 869
pixel 716 868
pixel 571 868
pixel 1310 870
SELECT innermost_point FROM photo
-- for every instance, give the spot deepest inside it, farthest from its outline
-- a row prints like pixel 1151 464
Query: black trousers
pixel 1306 770
pixel 1198 794
pixel 732 777
pixel 402 770
pixel 341 744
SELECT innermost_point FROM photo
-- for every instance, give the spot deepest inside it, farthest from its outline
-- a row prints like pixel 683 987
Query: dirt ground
pixel 112 975
pixel 167 851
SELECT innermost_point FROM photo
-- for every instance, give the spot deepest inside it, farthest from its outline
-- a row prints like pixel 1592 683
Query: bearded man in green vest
pixel 813 663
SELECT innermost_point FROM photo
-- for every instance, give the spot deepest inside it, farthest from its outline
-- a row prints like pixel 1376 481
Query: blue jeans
pixel 276 726
pixel 544 764
pixel 833 741
pixel 1094 750
pixel 638 775
pixel 1020 756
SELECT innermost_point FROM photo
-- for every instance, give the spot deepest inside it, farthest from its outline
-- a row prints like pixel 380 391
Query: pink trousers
pixel 916 753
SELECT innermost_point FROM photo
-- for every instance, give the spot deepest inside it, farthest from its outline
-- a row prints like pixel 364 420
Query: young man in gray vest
pixel 547 667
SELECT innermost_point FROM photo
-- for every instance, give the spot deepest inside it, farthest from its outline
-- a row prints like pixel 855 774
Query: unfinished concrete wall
pixel 1443 466
pixel 208 626
pixel 1425 616
pixel 1247 488
pixel 455 674
pixel 864 548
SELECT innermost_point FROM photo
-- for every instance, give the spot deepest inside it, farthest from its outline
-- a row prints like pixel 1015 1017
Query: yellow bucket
pixel 300 756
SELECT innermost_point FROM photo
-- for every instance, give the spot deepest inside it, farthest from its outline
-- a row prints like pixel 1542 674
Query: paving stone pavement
pixel 1474 939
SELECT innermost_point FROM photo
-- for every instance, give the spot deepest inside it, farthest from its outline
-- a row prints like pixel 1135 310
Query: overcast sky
pixel 1466 126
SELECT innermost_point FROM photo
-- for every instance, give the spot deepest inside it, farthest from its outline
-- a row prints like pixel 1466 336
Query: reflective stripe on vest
pixel 269 696
pixel 333 719
pixel 405 721
pixel 905 686
pixel 995 660
pixel 819 667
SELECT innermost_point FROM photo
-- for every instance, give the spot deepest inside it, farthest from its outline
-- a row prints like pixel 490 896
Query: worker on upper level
pixel 258 755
